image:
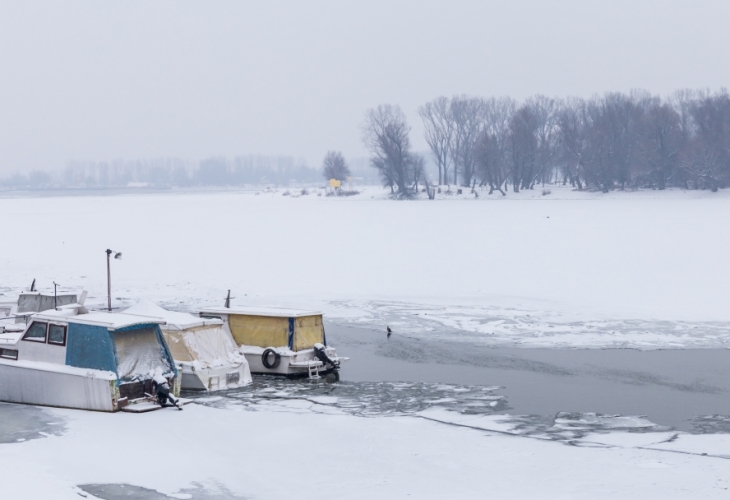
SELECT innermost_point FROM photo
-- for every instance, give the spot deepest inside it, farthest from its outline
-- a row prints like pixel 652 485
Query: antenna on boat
pixel 32 286
pixel 227 304
pixel 55 305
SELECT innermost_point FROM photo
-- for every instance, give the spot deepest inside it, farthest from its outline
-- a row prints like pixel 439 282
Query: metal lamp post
pixel 117 255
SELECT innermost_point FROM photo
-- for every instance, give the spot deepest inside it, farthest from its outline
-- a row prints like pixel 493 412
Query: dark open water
pixel 670 387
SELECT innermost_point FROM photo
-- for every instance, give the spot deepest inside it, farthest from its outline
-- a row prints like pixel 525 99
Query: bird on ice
pixel 389 331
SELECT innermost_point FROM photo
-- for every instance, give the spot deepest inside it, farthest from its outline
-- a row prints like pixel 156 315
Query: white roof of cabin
pixel 9 338
pixel 109 320
pixel 177 320
pixel 64 293
pixel 261 311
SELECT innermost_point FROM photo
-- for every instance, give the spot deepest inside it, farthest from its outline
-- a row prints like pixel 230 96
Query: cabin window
pixel 9 354
pixel 36 332
pixel 57 334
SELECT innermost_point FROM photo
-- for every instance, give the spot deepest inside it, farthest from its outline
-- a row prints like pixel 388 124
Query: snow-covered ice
pixel 259 453
pixel 572 269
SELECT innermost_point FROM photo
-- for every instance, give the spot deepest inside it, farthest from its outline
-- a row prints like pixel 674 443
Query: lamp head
pixel 118 255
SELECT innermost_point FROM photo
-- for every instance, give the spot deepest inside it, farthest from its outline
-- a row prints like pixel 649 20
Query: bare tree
pixel 493 143
pixel 599 142
pixel 571 140
pixel 708 157
pixel 490 162
pixel 468 120
pixel 439 131
pixel 682 102
pixel 660 142
pixel 624 114
pixel 334 166
pixel 523 147
pixel 545 110
pixel 418 170
pixel 385 134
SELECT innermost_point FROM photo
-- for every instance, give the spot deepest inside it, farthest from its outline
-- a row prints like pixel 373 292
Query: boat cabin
pixel 73 358
pixel 209 357
pixel 34 302
pixel 279 341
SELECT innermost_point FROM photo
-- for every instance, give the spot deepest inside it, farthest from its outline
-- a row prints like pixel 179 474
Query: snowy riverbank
pixel 308 449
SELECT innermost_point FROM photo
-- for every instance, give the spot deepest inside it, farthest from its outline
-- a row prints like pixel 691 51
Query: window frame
pixel 37 340
pixel 3 350
pixel 65 334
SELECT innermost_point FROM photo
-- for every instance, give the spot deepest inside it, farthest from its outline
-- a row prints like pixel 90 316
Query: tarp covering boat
pixel 272 327
pixel 260 331
pixel 141 350
pixel 209 356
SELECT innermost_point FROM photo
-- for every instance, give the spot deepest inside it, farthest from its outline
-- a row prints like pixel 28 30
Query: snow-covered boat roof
pixel 261 311
pixel 7 338
pixel 59 293
pixel 178 320
pixel 109 320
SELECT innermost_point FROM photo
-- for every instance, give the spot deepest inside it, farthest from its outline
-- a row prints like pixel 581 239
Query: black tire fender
pixel 265 358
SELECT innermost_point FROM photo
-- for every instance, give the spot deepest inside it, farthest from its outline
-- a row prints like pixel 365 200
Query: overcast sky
pixel 99 80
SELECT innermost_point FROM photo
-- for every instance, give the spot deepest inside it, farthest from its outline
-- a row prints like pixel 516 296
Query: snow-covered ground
pixel 312 449
pixel 568 269
pixel 644 269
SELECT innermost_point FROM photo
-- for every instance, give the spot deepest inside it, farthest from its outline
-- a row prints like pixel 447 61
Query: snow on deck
pixel 172 319
pixel 261 311
pixel 110 320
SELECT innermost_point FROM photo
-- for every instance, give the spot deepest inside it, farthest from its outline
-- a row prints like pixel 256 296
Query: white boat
pixel 74 358
pixel 31 302
pixel 206 351
pixel 277 341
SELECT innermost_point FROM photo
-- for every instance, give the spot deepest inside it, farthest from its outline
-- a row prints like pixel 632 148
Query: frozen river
pixel 683 389
pixel 670 387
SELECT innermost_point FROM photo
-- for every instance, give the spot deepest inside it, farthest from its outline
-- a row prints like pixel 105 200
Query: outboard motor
pixel 321 354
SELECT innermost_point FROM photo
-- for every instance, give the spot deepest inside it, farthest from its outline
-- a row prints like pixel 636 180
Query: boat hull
pixel 215 379
pixel 41 385
pixel 291 364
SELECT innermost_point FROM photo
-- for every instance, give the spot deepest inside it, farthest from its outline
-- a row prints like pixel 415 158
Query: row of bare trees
pixel 614 141
pixel 168 172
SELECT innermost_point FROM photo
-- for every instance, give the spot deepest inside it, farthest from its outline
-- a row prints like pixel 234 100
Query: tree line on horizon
pixel 168 172
pixel 259 170
pixel 614 141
